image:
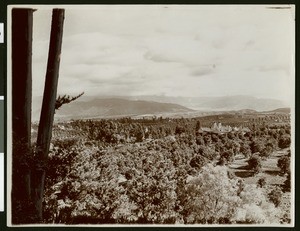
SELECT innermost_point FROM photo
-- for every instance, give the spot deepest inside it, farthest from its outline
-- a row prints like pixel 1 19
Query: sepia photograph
pixel 151 115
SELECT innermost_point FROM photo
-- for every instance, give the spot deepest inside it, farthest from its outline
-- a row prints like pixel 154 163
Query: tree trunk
pixel 21 113
pixel 48 108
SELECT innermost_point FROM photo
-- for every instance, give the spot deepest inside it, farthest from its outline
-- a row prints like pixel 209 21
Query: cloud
pixel 249 43
pixel 270 68
pixel 204 71
pixel 159 57
pixel 158 50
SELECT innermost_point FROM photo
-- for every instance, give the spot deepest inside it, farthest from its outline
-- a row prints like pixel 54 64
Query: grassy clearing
pixel 269 169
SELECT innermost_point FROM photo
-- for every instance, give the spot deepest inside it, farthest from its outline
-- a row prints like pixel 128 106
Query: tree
pixel 287 183
pixel 261 182
pixel 200 140
pixel 48 107
pixel 23 210
pixel 275 196
pixel 255 207
pixel 227 156
pixel 29 164
pixel 284 142
pixel 284 164
pixel 211 196
pixel 245 150
pixel 198 161
pixel 254 164
pixel 198 126
pixel 257 146
pixel 206 152
pixel 139 134
pixel 125 186
pixel 266 152
pixel 179 130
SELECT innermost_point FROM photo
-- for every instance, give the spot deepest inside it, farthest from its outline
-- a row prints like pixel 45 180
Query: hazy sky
pixel 170 50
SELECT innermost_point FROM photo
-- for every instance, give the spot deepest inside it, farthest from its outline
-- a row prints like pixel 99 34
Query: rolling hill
pixel 113 107
pixel 281 110
pixel 224 103
pixel 118 106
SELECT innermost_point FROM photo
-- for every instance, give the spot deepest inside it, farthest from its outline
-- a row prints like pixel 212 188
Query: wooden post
pixel 21 111
pixel 48 106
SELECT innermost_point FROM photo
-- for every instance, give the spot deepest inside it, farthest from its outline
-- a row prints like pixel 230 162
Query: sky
pixel 170 50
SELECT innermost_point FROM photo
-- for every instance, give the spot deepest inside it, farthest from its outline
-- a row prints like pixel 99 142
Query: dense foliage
pixel 159 171
pixel 284 164
pixel 254 164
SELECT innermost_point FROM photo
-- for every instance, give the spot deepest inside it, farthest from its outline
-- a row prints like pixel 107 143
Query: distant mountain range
pixel 280 110
pixel 113 107
pixel 224 103
pixel 116 106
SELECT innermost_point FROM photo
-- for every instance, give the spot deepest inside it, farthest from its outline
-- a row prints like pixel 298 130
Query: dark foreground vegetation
pixel 170 171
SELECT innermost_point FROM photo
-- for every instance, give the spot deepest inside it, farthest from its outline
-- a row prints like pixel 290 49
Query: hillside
pixel 281 110
pixel 138 106
pixel 224 103
pixel 113 107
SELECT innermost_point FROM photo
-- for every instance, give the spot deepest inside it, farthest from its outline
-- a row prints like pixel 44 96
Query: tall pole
pixel 48 106
pixel 22 20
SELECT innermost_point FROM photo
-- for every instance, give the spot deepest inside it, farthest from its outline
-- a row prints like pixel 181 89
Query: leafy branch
pixel 61 100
